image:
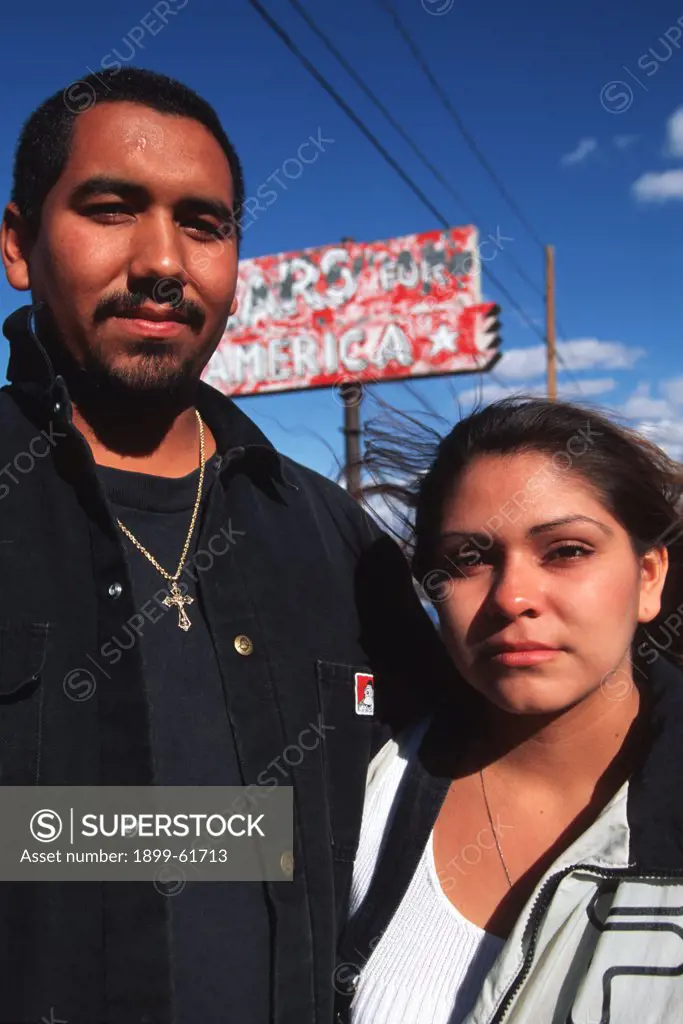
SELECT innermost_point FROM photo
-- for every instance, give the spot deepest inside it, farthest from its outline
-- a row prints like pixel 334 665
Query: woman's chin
pixel 526 694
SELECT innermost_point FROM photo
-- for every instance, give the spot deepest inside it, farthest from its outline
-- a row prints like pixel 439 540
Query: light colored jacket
pixel 601 939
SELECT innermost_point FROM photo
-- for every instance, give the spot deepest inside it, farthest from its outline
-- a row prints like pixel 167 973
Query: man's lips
pixel 158 314
pixel 153 323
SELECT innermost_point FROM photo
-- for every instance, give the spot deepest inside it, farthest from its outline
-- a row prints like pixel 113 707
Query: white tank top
pixel 431 962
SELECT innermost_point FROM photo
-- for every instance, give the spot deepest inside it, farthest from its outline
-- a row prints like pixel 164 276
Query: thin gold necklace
pixel 176 597
pixel 495 834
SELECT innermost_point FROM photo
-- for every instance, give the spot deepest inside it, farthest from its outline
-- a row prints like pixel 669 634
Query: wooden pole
pixel 550 321
pixel 352 396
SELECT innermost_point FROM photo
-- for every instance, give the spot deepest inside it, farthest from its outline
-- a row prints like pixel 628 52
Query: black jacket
pixel 321 592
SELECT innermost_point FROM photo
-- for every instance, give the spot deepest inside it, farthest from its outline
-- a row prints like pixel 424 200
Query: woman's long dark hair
pixel 416 469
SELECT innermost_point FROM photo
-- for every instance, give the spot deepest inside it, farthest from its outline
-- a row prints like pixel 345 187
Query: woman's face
pixel 545 590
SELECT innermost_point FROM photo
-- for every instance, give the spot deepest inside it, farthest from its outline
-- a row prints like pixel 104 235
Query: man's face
pixel 138 223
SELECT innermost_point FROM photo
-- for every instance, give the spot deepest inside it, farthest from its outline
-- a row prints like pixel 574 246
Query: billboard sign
pixel 371 311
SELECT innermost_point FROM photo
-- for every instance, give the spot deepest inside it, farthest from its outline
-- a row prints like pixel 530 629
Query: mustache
pixel 165 293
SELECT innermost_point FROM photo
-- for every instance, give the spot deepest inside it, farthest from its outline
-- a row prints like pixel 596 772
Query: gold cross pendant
pixel 179 600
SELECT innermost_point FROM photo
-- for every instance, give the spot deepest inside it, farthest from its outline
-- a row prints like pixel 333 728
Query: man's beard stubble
pixel 153 372
pixel 131 407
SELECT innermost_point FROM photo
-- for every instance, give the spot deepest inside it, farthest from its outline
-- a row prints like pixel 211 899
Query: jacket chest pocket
pixel 23 651
pixel 347 707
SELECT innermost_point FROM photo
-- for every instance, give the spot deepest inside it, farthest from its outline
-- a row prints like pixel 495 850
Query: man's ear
pixel 14 242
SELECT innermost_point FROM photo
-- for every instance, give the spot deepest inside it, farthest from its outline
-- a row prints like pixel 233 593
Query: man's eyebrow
pixel 207 204
pixel 102 184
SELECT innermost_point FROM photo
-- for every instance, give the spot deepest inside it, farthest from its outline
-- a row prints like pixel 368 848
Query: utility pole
pixel 550 321
pixel 352 395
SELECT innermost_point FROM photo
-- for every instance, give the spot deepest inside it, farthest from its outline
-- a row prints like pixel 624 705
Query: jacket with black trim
pixel 600 941
pixel 322 594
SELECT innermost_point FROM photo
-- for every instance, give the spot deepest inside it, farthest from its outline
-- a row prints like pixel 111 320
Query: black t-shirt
pixel 220 934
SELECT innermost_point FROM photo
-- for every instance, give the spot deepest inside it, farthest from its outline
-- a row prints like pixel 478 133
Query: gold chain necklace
pixel 176 597
pixel 493 829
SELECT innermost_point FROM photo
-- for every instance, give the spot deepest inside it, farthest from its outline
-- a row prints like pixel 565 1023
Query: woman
pixel 521 854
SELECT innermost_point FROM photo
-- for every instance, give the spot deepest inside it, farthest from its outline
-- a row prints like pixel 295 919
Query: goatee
pixel 130 408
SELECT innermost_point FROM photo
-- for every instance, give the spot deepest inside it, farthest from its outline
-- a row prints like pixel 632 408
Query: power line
pixel 280 32
pixel 372 96
pixel 389 8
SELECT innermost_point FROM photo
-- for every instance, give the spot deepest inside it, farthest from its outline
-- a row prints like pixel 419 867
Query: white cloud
pixel 522 363
pixel 589 354
pixel 668 434
pixel 655 413
pixel 573 390
pixel 624 141
pixel 583 149
pixel 491 392
pixel 674 133
pixel 659 418
pixel 581 354
pixel 645 407
pixel 580 388
pixel 670 431
pixel 662 186
pixel 673 389
pixel 656 187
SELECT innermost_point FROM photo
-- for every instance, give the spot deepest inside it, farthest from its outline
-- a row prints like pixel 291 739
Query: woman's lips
pixel 533 656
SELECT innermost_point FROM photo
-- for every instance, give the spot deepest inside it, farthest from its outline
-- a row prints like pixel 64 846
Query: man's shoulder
pixel 13 419
pixel 8 406
pixel 333 500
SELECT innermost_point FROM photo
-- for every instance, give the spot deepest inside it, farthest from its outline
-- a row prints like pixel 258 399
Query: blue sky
pixel 575 105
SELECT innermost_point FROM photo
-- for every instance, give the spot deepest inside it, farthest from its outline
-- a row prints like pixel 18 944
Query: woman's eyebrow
pixel 565 521
pixel 552 524
pixel 464 535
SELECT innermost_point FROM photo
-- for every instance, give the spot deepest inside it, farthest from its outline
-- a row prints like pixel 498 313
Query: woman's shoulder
pixel 396 752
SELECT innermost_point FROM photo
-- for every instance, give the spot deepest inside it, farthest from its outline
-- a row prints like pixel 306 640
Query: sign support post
pixel 351 394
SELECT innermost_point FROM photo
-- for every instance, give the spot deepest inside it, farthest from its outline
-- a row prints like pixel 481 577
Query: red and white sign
pixel 378 311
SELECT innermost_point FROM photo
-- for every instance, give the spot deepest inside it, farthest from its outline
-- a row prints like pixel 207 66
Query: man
pixel 180 605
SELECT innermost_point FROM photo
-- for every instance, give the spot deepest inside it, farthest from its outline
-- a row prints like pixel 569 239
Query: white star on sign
pixel 444 340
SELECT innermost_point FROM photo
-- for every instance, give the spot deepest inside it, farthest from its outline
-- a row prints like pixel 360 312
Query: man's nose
pixel 158 252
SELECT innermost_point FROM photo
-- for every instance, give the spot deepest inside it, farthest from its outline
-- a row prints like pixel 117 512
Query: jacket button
pixel 287 863
pixel 243 644
pixel 115 590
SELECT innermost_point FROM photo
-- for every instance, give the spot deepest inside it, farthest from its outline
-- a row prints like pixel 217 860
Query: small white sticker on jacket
pixel 365 693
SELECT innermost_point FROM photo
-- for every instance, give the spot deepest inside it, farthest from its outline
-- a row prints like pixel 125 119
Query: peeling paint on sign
pixel 406 307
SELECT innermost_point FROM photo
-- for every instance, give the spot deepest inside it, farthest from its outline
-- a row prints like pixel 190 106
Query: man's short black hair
pixel 45 139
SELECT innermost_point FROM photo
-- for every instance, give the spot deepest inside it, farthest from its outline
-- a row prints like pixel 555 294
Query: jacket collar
pixel 28 361
pixel 655 807
pixel 238 439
